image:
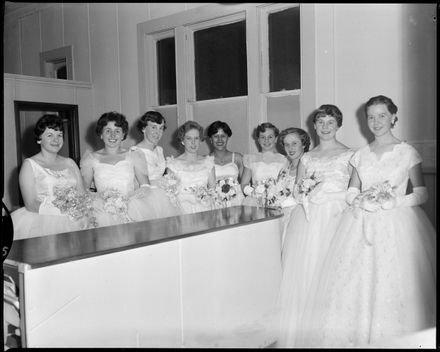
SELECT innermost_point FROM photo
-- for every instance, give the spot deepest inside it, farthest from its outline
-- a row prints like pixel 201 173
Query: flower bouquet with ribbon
pixel 203 194
pixel 372 199
pixel 280 193
pixel 170 184
pixel 225 191
pixel 304 188
pixel 116 203
pixel 78 206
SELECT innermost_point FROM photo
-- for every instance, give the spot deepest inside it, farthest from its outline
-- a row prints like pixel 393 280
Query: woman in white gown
pixel 40 176
pixel 120 177
pixel 152 126
pixel 195 173
pixel 313 224
pixel 379 279
pixel 228 165
pixel 295 142
pixel 262 166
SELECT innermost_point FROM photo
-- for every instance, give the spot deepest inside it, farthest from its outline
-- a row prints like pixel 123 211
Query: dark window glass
pixel 284 50
pixel 166 71
pixel 220 61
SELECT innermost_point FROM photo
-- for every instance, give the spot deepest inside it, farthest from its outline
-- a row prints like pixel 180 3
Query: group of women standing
pixel 358 256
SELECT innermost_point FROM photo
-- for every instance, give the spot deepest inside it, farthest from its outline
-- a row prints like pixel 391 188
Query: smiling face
pixel 293 146
pixel 379 119
pixel 153 132
pixel 191 141
pixel 51 140
pixel 220 140
pixel 267 140
pixel 112 135
pixel 326 127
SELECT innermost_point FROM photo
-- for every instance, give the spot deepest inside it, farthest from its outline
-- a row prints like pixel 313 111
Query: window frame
pixel 255 14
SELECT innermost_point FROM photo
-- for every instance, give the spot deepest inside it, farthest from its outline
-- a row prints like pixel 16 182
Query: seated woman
pixel 228 165
pixel 195 173
pixel 262 167
pixel 46 180
pixel 120 177
pixel 152 125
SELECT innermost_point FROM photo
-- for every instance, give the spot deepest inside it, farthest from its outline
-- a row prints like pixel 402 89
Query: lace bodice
pixel 191 174
pixel 119 176
pixel 265 165
pixel 333 171
pixel 155 161
pixel 227 170
pixel 392 166
pixel 47 179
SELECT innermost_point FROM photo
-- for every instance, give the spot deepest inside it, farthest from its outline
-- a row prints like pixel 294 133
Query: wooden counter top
pixel 69 246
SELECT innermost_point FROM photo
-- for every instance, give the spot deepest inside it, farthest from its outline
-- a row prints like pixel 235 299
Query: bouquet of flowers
pixel 304 187
pixel 170 184
pixel 74 204
pixel 259 191
pixel 280 193
pixel 225 191
pixel 202 193
pixel 116 203
pixel 376 195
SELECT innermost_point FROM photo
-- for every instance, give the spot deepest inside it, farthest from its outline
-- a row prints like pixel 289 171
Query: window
pixel 284 50
pixel 220 62
pixel 57 63
pixel 166 71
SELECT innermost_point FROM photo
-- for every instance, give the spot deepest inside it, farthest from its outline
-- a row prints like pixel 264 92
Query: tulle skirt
pixel 28 224
pixel 378 281
pixel 145 204
pixel 305 244
pixel 190 204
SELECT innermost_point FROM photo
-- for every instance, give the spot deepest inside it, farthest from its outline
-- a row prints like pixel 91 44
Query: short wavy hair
pixel 116 117
pixel 303 136
pixel 328 110
pixel 264 126
pixel 51 121
pixel 152 116
pixel 381 99
pixel 187 126
pixel 218 125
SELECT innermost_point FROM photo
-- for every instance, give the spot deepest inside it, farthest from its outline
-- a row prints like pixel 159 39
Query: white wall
pixel 351 51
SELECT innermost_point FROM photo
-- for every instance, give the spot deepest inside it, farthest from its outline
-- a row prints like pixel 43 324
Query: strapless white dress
pixel 29 224
pixel 230 170
pixel 192 176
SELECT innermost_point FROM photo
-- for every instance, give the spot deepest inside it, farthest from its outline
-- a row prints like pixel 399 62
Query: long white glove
pixel 418 196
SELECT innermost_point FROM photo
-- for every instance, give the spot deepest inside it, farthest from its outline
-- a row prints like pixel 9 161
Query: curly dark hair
pixel 51 121
pixel 187 126
pixel 328 110
pixel 118 118
pixel 218 125
pixel 303 135
pixel 152 116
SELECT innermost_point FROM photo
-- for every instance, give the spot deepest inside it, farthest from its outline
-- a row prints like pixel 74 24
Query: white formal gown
pixel 190 177
pixel 379 278
pixel 263 166
pixel 230 170
pixel 307 240
pixel 29 224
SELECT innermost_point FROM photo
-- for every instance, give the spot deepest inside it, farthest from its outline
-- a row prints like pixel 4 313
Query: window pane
pixel 284 50
pixel 166 71
pixel 220 61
